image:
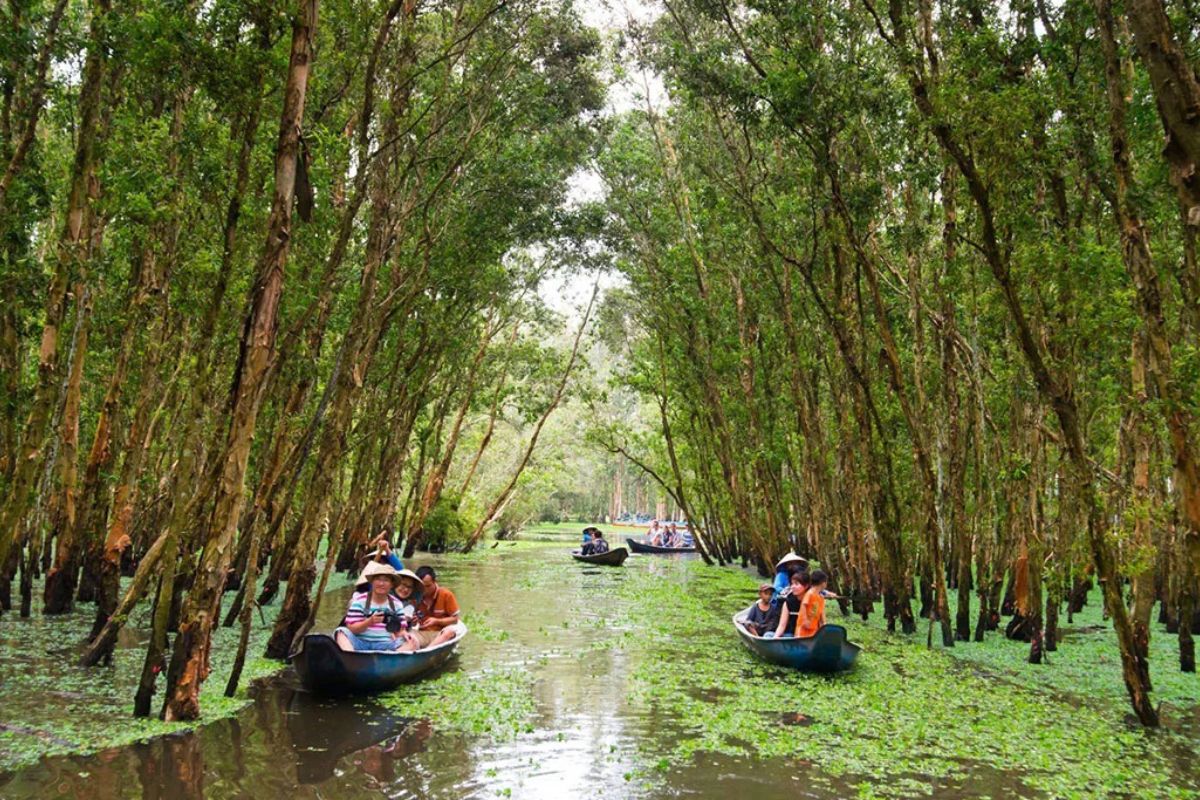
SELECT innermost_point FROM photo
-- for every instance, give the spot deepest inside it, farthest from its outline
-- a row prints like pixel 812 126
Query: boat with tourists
pixel 325 668
pixel 829 650
pixel 643 547
pixel 609 558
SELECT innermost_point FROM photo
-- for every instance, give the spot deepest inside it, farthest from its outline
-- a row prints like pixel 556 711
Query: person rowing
pixel 783 571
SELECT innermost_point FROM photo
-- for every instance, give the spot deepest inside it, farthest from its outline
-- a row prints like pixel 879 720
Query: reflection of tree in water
pixel 379 761
pixel 172 767
pixel 290 744
pixel 324 731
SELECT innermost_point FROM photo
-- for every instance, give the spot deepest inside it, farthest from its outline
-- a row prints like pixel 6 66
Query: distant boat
pixel 828 651
pixel 325 668
pixel 612 558
pixel 642 547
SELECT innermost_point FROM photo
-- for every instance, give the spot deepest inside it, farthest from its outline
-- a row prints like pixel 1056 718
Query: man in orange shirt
pixel 438 610
pixel 812 607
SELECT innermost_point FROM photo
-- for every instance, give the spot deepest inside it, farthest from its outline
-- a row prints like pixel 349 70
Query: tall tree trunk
pixel 1144 16
pixel 60 581
pixel 1176 90
pixel 189 662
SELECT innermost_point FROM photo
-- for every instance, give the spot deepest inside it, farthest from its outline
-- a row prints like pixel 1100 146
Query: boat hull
pixel 613 558
pixel 642 547
pixel 828 651
pixel 325 668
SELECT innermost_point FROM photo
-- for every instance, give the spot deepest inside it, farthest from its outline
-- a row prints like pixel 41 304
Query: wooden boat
pixel 828 651
pixel 642 547
pixel 325 668
pixel 613 558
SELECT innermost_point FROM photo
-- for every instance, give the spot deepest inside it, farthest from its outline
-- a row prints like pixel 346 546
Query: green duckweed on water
pixel 905 709
pixel 51 706
pixel 494 703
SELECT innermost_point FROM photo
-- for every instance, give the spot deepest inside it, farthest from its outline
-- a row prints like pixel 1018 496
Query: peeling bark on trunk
pixel 189 663
pixel 1152 30
pixel 60 581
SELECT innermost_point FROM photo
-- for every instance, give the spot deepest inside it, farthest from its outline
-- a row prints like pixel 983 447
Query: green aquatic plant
pixel 51 706
pixel 903 719
pixel 493 703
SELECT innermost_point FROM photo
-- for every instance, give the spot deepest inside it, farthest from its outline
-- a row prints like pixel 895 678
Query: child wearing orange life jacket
pixel 812 607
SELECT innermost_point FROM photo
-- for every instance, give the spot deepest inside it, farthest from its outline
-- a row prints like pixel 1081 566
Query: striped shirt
pixel 361 607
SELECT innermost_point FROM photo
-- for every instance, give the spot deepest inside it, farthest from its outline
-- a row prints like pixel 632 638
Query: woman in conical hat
pixel 784 567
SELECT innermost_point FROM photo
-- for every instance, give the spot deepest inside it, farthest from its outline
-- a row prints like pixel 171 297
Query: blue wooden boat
pixel 642 547
pixel 610 558
pixel 828 651
pixel 325 668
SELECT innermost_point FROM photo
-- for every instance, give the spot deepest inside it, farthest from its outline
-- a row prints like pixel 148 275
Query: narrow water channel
pixel 584 739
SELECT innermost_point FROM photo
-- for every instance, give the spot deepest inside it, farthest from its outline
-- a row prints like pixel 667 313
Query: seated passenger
pixel 437 612
pixel 365 626
pixel 408 592
pixel 812 607
pixel 599 543
pixel 586 547
pixel 655 534
pixel 763 616
pixel 791 602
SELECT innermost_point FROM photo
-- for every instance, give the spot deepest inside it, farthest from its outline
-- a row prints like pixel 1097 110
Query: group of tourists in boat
pixel 794 605
pixel 786 625
pixel 395 609
pixel 668 535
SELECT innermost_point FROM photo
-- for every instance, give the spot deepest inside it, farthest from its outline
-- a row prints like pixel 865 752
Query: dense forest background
pixel 910 288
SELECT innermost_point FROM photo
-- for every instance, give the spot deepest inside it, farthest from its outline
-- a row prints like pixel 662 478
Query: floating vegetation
pixel 495 703
pixel 905 711
pixel 51 706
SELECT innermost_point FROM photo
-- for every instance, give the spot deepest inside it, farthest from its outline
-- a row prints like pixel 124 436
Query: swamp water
pixel 581 681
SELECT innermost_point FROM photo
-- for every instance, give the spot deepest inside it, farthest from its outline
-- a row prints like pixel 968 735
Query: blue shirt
pixel 394 560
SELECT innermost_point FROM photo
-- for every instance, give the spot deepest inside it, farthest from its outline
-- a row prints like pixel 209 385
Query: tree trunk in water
pixel 346 383
pixel 161 619
pixel 118 538
pixel 1052 386
pixel 246 619
pixel 60 581
pixel 189 663
pixel 101 646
